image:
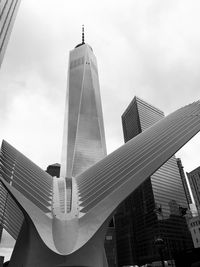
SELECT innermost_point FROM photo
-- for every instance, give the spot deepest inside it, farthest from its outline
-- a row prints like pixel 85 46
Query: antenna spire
pixel 83 35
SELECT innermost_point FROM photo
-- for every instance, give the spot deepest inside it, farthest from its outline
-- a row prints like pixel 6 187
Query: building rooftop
pixel 194 171
pixel 137 99
pixel 83 39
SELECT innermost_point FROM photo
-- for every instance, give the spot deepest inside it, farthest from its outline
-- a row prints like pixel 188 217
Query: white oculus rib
pixel 52 234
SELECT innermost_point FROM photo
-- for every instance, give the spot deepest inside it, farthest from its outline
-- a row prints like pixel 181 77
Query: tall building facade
pixel 194 225
pixel 8 12
pixel 84 137
pixel 185 185
pixel 155 209
pixel 194 180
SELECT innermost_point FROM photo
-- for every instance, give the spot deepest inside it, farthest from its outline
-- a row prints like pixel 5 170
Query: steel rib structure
pixel 76 238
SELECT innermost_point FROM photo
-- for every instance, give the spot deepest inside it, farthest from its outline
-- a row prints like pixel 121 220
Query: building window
pixel 194 231
pixel 109 237
pixel 197 240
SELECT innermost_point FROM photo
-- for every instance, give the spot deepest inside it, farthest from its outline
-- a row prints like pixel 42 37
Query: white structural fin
pixel 97 191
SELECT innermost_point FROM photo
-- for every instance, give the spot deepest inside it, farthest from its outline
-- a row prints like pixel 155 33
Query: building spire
pixel 83 35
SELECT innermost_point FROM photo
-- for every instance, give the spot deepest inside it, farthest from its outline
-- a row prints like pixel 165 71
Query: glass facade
pixel 8 11
pixel 84 137
pixel 185 185
pixel 156 208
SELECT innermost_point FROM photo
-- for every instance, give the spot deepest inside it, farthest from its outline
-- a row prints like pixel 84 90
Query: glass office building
pixel 154 210
pixel 185 185
pixel 84 137
pixel 8 11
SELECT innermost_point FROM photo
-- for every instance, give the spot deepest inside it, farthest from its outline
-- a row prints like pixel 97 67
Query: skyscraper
pixel 8 12
pixel 156 207
pixel 84 137
pixel 194 180
pixel 185 185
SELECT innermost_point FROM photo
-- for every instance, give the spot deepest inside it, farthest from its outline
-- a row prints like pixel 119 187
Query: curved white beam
pixel 97 192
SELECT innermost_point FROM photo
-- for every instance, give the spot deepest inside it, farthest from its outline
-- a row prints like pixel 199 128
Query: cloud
pixel 26 133
pixel 145 48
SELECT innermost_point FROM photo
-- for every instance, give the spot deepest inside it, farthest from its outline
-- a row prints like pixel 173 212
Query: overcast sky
pixel 146 48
